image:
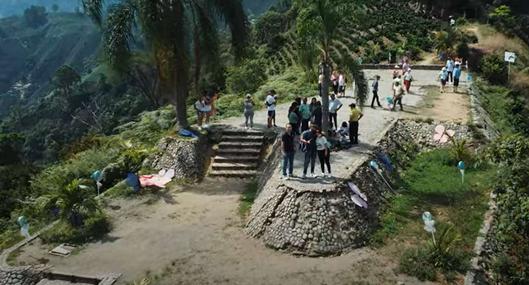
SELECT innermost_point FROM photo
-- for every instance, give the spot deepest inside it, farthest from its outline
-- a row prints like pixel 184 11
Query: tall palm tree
pixel 180 34
pixel 317 25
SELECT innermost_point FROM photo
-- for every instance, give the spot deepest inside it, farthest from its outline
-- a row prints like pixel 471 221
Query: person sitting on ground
pixel 288 150
pixel 248 111
pixel 324 152
pixel 343 132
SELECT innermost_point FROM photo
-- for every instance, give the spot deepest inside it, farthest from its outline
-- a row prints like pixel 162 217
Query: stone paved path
pixel 372 127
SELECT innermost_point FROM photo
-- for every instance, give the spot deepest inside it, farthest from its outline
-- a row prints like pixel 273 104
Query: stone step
pixel 240 145
pixel 241 132
pixel 242 138
pixel 233 173
pixel 234 166
pixel 236 159
pixel 238 151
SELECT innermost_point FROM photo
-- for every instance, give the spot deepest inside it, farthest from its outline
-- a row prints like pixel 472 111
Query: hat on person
pixel 248 95
pixel 444 68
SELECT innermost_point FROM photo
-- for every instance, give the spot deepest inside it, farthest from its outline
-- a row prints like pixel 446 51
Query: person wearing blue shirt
pixel 457 75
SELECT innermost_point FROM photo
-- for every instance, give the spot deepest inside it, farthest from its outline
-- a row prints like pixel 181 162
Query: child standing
pixel 324 152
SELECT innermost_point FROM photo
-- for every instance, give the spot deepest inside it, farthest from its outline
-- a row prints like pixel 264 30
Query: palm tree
pixel 74 202
pixel 181 35
pixel 317 26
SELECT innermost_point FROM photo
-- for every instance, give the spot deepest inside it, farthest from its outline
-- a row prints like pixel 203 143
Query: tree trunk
pixel 325 96
pixel 180 99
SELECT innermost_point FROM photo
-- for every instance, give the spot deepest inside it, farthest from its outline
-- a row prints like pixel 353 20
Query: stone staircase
pixel 238 154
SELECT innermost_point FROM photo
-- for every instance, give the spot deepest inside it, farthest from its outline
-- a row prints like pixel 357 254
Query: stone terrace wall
pixel 186 156
pixel 318 223
pixel 26 275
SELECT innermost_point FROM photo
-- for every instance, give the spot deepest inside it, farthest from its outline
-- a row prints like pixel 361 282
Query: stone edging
pixel 480 118
pixel 392 66
pixel 475 270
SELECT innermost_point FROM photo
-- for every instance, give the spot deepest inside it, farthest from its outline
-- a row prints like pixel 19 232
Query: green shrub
pixel 94 228
pixel 415 262
pixel 494 69
pixel 246 78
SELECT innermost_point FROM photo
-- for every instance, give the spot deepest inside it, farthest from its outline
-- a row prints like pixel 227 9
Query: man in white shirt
pixel 334 106
pixel 270 103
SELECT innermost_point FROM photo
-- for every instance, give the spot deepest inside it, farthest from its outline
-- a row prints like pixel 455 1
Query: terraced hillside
pixel 381 28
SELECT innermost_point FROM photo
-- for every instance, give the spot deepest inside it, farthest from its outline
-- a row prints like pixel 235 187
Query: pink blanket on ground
pixel 158 180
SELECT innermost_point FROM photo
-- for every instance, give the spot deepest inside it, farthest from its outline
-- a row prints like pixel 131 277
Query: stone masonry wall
pixel 319 223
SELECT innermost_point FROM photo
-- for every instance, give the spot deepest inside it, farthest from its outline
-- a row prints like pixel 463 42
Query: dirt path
pixel 195 236
pixel 445 107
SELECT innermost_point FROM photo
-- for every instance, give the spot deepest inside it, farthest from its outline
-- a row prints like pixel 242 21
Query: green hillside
pixel 32 55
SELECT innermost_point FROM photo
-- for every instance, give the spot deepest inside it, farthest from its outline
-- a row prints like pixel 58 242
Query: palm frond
pixel 232 11
pixel 94 9
pixel 118 33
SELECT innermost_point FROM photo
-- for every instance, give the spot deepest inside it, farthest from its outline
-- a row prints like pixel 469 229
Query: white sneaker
pixel 323 174
pixel 329 175
pixel 313 175
pixel 304 176
pixel 287 177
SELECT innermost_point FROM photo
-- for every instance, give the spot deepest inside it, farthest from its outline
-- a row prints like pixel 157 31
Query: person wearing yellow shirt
pixel 355 116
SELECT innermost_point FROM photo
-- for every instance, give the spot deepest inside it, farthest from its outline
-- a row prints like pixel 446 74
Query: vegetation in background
pixel 431 182
pixel 247 199
pixel 507 241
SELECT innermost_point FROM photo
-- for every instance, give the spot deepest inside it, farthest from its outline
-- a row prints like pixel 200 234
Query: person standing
pixel 270 103
pixel 317 114
pixel 324 152
pixel 308 139
pixel 457 76
pixel 288 150
pixel 293 118
pixel 341 85
pixel 248 111
pixel 443 77
pixel 320 83
pixel 334 107
pixel 304 110
pixel 399 93
pixel 334 80
pixel 374 86
pixel 200 107
pixel 354 118
pixel 208 110
pixel 450 69
pixel 407 80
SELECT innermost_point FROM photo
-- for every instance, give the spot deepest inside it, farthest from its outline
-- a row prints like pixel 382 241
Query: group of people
pixel 205 108
pixel 450 73
pixel 401 84
pixel 338 83
pixel 310 138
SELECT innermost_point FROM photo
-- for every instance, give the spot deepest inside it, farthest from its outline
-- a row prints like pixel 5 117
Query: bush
pixel 246 78
pixel 415 262
pixel 95 227
pixel 494 69
pixel 436 257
